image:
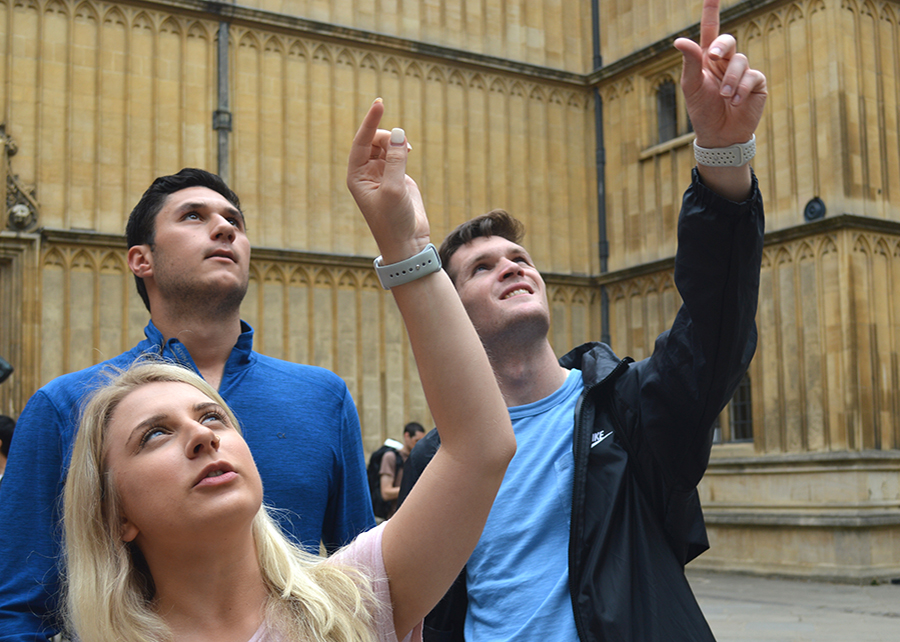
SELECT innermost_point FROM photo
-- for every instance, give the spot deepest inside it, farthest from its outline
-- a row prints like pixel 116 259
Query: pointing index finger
pixel 365 135
pixel 709 23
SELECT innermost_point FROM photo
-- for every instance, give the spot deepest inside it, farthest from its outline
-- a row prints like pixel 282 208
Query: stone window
pixel 666 111
pixel 741 412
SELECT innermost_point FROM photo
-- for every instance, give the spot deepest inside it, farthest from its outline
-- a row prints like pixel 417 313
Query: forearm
pixel 451 501
pixel 697 363
pixel 389 492
pixel 441 520
pixel 457 379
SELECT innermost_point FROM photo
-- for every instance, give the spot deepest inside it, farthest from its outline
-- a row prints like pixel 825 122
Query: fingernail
pixel 736 99
pixel 397 136
pixel 727 90
pixel 377 100
pixel 716 51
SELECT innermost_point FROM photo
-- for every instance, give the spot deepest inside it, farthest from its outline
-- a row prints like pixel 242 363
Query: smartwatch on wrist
pixel 415 267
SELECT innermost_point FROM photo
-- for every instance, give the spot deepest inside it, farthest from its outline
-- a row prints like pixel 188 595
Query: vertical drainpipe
pixel 222 117
pixel 603 243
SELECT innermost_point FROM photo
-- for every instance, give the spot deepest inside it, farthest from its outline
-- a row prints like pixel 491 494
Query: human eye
pixel 192 216
pixel 153 432
pixel 215 416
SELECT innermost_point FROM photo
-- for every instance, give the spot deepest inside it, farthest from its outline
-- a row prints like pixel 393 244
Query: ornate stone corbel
pixel 22 208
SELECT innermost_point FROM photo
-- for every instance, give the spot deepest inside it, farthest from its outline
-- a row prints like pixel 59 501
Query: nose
pixel 202 439
pixel 509 268
pixel 222 228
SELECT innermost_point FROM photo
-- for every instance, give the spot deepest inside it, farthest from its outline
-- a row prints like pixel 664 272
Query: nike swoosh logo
pixel 597 437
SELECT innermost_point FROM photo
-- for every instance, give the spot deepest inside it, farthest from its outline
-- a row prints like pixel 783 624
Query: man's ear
pixel 128 530
pixel 140 260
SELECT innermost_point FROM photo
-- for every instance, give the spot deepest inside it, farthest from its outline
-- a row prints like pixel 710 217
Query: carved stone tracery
pixel 22 208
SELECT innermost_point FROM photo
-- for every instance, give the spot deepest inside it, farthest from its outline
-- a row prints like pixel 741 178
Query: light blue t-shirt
pixel 518 576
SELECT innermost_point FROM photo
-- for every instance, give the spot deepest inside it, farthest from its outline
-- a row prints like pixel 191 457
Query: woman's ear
pixel 140 260
pixel 128 530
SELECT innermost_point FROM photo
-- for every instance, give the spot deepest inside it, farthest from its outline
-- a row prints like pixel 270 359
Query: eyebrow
pixel 146 423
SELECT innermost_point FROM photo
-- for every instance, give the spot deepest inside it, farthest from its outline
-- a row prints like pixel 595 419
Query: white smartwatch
pixel 733 156
pixel 415 267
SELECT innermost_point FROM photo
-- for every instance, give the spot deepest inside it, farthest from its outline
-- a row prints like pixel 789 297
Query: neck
pixel 209 338
pixel 212 591
pixel 526 373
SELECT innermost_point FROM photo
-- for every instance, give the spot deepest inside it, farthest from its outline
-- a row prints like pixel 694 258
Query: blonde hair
pixel 109 591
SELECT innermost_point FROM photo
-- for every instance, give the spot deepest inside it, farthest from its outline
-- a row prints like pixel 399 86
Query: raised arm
pixel 724 99
pixel 432 535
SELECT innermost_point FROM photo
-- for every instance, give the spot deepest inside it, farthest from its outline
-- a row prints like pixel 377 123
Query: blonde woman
pixel 166 535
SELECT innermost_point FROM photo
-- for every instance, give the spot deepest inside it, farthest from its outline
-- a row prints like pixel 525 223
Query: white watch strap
pixel 415 267
pixel 733 156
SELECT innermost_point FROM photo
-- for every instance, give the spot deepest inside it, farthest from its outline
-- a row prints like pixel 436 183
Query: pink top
pixel 364 553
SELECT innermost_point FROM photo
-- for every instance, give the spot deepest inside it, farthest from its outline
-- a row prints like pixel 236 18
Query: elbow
pixel 506 446
pixel 495 453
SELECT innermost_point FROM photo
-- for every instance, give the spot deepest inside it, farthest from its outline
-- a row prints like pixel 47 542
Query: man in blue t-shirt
pixel 189 252
pixel 598 512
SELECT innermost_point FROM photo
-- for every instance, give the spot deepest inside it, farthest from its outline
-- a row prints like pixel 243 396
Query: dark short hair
pixel 495 223
pixel 141 227
pixel 412 428
pixel 7 425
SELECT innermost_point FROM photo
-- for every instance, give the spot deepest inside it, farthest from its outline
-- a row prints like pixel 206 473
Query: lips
pixel 216 473
pixel 223 254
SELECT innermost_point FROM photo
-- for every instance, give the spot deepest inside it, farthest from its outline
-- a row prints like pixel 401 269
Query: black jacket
pixel 643 435
pixel 636 517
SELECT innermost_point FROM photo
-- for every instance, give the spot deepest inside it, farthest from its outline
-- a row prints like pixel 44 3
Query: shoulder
pixel 364 553
pixel 389 459
pixel 595 360
pixel 299 373
pixel 71 389
pixel 279 386
pixel 53 411
pixel 312 387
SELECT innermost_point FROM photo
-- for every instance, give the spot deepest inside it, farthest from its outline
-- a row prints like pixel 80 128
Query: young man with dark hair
pixel 189 252
pixel 141 226
pixel 599 512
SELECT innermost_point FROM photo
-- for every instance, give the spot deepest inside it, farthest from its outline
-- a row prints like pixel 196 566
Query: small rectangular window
pixel 741 412
pixel 666 111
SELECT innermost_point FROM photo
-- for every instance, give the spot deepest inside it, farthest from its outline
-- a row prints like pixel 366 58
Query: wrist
pixel 734 155
pixel 422 263
pixel 402 250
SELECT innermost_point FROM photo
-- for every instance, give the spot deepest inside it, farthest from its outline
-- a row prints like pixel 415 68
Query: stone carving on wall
pixel 21 202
